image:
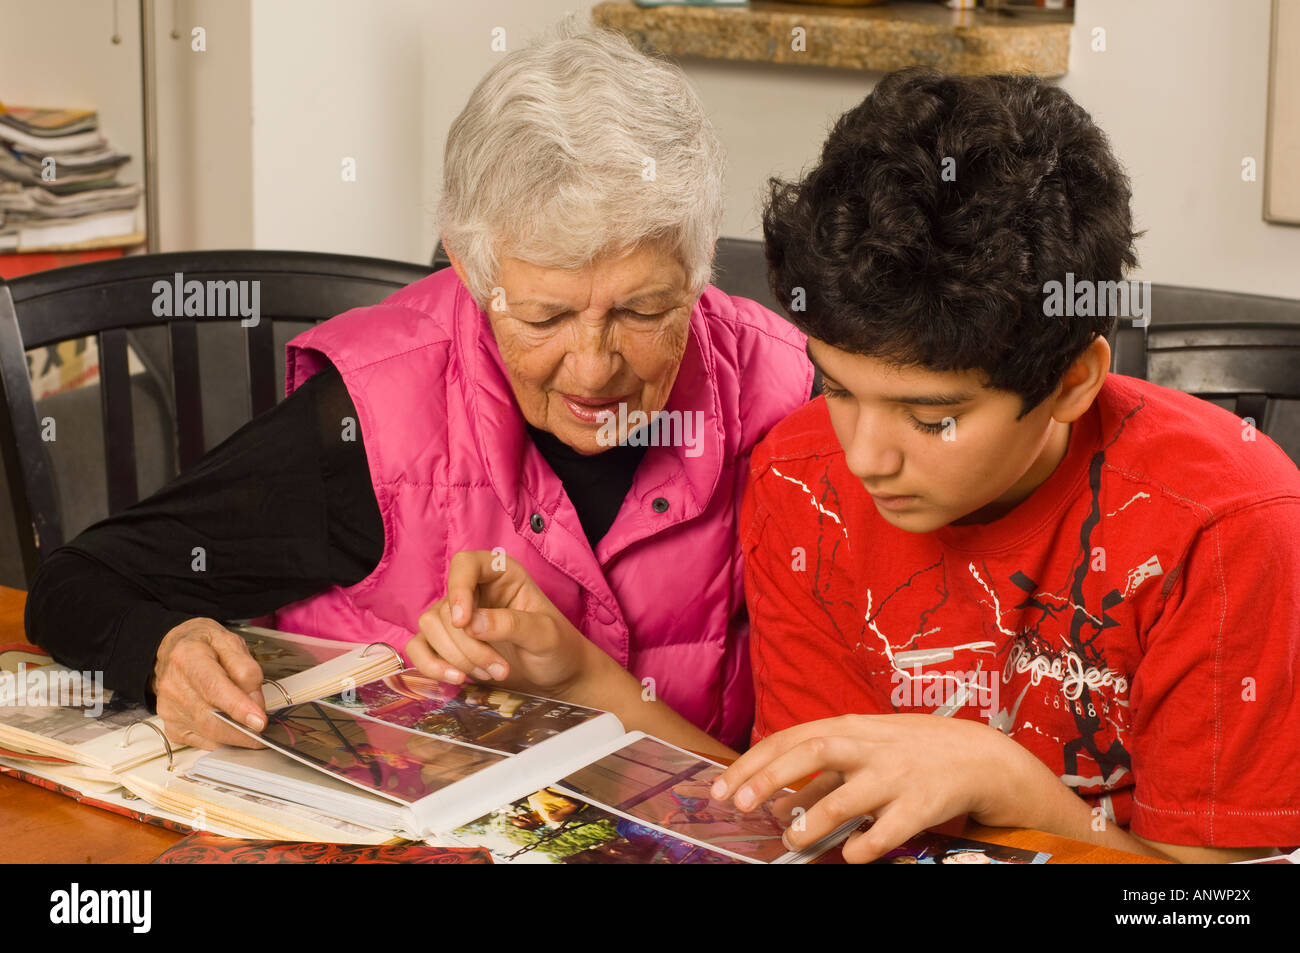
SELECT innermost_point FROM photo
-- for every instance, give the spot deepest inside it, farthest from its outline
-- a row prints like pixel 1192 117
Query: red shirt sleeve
pixel 802 622
pixel 1216 698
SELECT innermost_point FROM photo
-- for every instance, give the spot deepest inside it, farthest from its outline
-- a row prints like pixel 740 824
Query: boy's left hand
pixel 909 771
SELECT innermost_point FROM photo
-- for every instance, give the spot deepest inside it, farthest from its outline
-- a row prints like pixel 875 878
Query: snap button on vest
pixel 660 505
pixel 537 522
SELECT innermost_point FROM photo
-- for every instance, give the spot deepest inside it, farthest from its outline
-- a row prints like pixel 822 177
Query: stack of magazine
pixel 58 183
pixel 360 751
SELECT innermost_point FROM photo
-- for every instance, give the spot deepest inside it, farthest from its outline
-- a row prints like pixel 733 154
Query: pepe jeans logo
pixel 208 299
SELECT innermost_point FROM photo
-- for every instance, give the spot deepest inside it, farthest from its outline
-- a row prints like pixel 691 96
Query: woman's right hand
pixel 201 665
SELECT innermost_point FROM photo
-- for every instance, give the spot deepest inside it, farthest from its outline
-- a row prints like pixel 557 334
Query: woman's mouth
pixel 593 410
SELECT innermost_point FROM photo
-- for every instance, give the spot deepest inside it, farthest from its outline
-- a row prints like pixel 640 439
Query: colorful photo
pixel 476 714
pixel 930 848
pixel 387 759
pixel 657 783
pixel 551 826
pixel 281 657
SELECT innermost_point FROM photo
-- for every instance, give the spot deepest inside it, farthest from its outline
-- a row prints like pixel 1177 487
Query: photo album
pixel 359 750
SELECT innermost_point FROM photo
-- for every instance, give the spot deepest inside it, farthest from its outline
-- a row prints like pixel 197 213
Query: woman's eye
pixel 926 427
pixel 639 315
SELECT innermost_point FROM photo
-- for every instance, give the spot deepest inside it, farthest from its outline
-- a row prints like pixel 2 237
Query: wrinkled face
pixel 576 344
pixel 934 448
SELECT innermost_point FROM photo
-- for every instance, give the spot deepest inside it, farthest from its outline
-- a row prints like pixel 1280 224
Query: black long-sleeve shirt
pixel 279 511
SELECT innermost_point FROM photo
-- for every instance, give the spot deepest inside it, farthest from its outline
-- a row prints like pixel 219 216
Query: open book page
pixel 483 715
pixel 57 712
pixel 645 802
pixel 211 803
pixel 445 751
pixel 552 827
pixel 299 668
pixel 54 711
pixel 396 763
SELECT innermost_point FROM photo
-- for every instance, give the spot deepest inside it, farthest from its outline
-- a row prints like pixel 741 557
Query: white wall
pixel 254 129
pixel 1182 90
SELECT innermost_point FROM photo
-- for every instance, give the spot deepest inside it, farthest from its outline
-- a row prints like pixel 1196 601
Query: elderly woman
pixel 466 471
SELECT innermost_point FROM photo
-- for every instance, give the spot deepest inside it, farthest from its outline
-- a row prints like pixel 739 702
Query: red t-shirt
pixel 1135 622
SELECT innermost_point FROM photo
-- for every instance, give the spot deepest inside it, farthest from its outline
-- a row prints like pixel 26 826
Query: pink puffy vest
pixel 453 469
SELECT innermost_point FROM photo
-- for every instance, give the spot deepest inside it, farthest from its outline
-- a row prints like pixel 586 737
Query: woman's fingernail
pixel 453 675
pixel 498 671
pixel 256 722
pixel 480 623
pixel 481 675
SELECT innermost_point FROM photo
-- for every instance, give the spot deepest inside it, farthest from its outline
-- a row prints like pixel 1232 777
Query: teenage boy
pixel 983 576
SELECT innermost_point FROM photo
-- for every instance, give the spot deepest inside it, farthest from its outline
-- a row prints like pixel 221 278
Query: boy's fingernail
pixel 498 671
pixel 480 623
pixel 481 675
pixel 744 799
pixel 453 675
pixel 719 790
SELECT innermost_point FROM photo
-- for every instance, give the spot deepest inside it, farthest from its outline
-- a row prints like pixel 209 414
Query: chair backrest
pixel 1239 351
pixel 111 300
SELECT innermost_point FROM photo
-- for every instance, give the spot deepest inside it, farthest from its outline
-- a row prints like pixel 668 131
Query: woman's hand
pixel 201 665
pixel 909 771
pixel 495 624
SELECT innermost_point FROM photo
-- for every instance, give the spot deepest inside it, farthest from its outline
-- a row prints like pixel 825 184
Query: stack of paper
pixel 58 183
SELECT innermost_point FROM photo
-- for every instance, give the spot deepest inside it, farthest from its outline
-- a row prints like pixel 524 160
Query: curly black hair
pixel 901 262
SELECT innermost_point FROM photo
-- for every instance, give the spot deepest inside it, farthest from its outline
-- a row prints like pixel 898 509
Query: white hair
pixel 575 148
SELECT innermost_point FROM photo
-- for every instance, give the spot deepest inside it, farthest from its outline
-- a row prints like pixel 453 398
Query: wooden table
pixel 41 826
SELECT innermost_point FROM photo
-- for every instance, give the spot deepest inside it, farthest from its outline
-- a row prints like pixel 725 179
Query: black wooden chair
pixel 114 302
pixel 1239 351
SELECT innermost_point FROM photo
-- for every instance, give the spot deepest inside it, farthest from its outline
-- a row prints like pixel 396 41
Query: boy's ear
pixel 1082 381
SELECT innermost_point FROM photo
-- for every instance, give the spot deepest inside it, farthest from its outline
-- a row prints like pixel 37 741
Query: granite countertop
pixel 885 37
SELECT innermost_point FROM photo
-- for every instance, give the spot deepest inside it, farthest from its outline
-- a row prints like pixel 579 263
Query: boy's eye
pixel 926 427
pixel 835 392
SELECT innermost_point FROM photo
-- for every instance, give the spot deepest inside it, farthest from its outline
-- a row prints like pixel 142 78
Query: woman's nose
pixel 591 356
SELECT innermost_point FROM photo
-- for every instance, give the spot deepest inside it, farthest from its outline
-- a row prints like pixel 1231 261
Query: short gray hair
pixel 577 147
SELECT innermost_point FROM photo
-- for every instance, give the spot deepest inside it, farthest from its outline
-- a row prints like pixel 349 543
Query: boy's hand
pixel 496 625
pixel 909 771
